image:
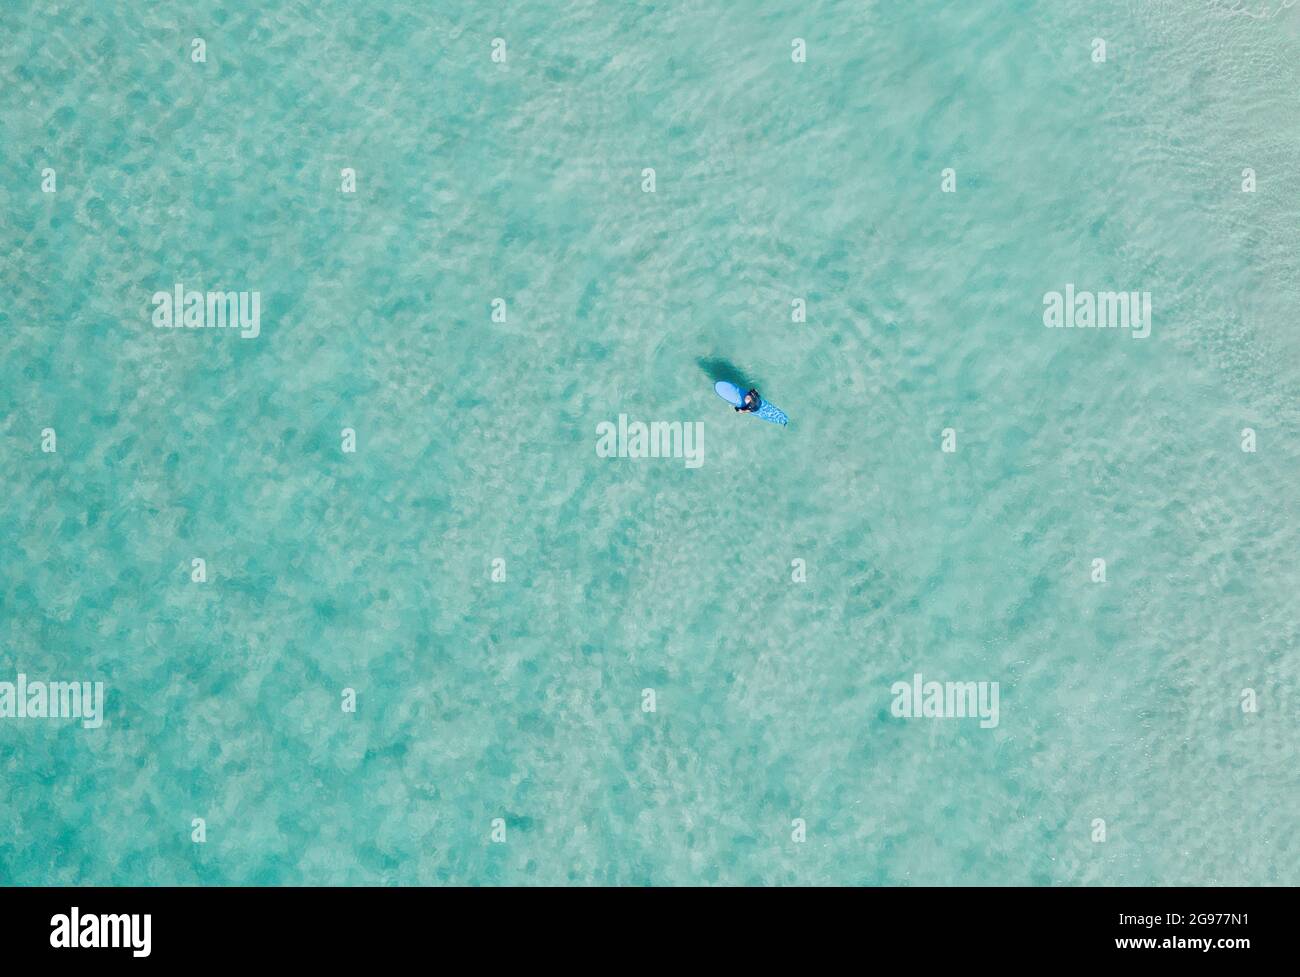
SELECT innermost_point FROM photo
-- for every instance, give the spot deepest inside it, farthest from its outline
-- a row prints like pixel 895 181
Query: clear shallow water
pixel 522 699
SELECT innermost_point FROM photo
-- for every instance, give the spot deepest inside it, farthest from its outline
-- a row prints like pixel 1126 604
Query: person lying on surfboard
pixel 750 403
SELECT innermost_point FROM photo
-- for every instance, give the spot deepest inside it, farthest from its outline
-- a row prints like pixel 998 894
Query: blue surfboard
pixel 735 397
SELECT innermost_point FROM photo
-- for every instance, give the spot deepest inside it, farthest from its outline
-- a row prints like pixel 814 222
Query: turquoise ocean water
pixel 522 699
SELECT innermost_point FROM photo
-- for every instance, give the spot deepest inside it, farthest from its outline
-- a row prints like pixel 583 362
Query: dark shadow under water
pixel 716 368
